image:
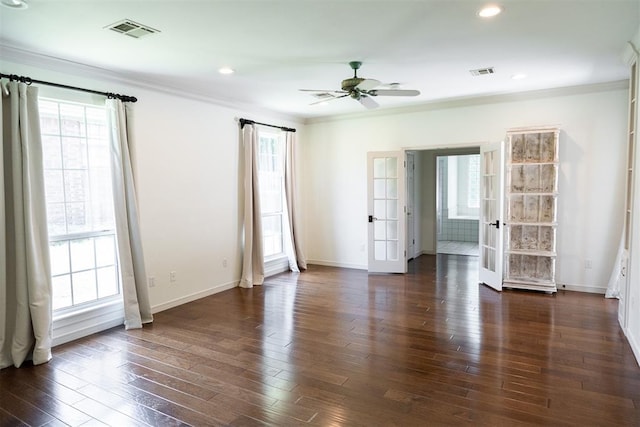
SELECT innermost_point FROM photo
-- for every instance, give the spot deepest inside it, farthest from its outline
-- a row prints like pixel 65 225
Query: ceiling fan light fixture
pixel 15 4
pixel 490 11
pixel 226 70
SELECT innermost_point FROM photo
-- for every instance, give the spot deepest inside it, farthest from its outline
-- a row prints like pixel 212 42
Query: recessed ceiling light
pixel 518 76
pixel 226 70
pixel 489 11
pixel 15 4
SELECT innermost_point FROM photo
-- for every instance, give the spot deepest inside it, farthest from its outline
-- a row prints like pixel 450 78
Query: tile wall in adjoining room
pixel 460 230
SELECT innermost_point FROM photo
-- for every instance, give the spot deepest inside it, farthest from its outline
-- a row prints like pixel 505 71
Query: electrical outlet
pixel 152 281
pixel 172 276
pixel 224 262
pixel 588 264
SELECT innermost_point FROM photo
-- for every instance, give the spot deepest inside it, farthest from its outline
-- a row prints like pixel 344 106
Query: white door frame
pixel 411 204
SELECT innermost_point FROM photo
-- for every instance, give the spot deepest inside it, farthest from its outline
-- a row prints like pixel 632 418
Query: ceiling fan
pixel 360 89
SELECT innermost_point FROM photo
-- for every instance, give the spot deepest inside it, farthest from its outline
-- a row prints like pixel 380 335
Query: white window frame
pixel 89 317
pixel 458 188
pixel 277 262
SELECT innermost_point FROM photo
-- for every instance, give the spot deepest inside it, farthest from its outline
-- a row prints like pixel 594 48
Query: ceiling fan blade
pixel 368 84
pixel 393 92
pixel 368 102
pixel 328 99
pixel 322 90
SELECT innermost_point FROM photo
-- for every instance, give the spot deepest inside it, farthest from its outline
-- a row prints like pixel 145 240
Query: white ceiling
pixel 278 47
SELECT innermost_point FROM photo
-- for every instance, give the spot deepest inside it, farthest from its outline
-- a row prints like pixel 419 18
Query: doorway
pixel 457 204
pixel 425 229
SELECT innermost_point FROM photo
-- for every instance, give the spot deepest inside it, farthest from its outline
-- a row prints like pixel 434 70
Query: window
pixel 79 202
pixel 463 186
pixel 473 177
pixel 271 177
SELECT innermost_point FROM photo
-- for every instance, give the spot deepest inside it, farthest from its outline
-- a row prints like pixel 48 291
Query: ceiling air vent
pixel 323 96
pixel 482 71
pixel 131 28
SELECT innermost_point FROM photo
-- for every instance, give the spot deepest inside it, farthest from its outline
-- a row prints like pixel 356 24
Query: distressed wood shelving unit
pixel 531 198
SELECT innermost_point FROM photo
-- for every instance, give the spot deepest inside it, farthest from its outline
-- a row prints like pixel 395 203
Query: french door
pixel 491 214
pixel 386 210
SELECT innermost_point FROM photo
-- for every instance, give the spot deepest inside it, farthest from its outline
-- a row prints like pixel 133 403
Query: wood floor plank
pixel 335 346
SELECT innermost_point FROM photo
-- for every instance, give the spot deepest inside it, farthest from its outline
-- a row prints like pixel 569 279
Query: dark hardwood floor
pixel 335 347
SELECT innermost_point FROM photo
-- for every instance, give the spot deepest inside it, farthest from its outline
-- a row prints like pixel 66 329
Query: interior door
pixel 491 214
pixel 411 238
pixel 386 208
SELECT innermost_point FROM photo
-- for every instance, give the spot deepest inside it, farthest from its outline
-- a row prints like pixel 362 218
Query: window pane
pixel 54 186
pixel 107 282
pixel 72 120
pixel 379 170
pixel 272 234
pixel 105 251
pixel 56 221
pixel 61 286
pixel 74 153
pixel 76 217
pixel 84 287
pixel 379 230
pixel 392 167
pixel 82 255
pixel 51 152
pixel 59 255
pixel 75 185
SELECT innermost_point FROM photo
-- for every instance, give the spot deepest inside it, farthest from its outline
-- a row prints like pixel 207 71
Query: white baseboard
pixel 425 253
pixel 582 288
pixel 195 296
pixel 337 264
pixel 634 345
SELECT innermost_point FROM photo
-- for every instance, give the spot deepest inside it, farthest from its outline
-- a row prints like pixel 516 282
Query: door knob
pixel 495 224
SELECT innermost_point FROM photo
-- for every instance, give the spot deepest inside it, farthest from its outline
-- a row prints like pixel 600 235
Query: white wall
pixel 591 182
pixel 186 163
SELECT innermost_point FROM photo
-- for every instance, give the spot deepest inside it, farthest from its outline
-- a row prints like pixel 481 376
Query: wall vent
pixel 131 28
pixel 482 71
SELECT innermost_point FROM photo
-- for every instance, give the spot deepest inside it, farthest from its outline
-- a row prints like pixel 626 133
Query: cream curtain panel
pixel 297 259
pixel 253 258
pixel 25 278
pixel 137 308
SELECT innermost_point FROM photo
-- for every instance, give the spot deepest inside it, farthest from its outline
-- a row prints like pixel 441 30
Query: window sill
pixel 73 324
pixel 275 264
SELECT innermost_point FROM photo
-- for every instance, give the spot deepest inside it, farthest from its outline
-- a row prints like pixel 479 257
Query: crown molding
pixel 479 100
pixel 109 77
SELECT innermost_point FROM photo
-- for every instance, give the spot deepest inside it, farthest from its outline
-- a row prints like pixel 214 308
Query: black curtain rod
pixel 29 80
pixel 251 122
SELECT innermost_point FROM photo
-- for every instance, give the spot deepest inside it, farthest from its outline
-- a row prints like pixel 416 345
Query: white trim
pixel 337 264
pixel 477 100
pixel 582 288
pixel 51 63
pixel 195 296
pixel 633 344
pixel 425 252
